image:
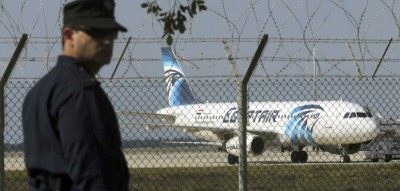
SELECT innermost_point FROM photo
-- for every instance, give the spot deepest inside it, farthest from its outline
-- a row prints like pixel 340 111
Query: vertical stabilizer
pixel 179 91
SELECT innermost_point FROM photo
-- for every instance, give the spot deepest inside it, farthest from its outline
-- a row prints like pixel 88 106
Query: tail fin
pixel 179 91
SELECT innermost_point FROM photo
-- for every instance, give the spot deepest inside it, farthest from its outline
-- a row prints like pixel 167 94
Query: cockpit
pixel 357 114
pixel 366 114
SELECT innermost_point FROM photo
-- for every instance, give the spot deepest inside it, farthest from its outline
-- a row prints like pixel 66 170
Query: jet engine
pixel 254 145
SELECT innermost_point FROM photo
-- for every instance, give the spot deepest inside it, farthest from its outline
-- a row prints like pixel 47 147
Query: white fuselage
pixel 294 123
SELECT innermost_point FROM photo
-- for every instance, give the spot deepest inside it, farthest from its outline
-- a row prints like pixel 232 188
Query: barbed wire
pixel 276 59
pixel 296 28
pixel 45 39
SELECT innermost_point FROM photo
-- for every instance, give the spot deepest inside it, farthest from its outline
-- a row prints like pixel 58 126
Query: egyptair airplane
pixel 338 127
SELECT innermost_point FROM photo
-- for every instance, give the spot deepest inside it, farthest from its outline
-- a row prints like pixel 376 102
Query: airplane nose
pixel 375 126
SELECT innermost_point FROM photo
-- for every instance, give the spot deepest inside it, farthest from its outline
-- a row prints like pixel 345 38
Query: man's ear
pixel 68 40
pixel 67 34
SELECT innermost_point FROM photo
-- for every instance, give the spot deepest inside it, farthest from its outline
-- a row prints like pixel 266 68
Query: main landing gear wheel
pixel 232 159
pixel 344 159
pixel 299 156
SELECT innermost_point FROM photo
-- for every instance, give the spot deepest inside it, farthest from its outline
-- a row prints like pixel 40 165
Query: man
pixel 71 133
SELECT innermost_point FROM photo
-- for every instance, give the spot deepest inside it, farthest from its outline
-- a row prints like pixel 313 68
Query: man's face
pixel 95 46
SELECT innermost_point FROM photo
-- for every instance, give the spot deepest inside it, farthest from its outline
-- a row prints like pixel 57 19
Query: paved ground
pixel 213 158
pixel 173 157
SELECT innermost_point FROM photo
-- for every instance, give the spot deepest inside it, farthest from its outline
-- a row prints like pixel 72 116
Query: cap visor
pixel 103 23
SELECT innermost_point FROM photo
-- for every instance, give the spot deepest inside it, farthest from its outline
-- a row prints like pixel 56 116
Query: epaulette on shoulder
pixel 89 82
pixel 85 79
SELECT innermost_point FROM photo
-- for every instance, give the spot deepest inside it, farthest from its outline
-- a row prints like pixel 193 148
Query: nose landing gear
pixel 344 158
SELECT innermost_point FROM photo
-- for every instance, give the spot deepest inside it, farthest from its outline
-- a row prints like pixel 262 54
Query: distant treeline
pixel 125 144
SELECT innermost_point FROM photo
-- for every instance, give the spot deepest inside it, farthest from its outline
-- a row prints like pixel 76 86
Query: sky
pixel 347 37
pixel 336 37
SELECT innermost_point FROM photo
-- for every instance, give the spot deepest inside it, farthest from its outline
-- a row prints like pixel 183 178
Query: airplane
pixel 337 127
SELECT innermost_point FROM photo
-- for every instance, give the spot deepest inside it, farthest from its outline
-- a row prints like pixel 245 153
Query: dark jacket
pixel 71 132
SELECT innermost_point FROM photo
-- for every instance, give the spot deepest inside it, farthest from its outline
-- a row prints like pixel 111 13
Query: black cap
pixel 98 14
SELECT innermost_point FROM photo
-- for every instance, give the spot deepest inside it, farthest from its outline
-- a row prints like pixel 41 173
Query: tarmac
pixel 181 158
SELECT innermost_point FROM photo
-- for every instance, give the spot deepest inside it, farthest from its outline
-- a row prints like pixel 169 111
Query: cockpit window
pixel 357 114
pixel 362 115
pixel 367 111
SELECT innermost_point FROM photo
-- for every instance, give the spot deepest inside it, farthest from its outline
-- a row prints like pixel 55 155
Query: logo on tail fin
pixel 179 91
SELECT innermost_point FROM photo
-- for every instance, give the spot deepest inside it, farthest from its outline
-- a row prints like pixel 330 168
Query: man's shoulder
pixel 70 75
pixel 70 71
pixel 65 79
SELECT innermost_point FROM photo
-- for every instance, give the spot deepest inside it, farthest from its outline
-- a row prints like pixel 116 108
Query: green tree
pixel 173 20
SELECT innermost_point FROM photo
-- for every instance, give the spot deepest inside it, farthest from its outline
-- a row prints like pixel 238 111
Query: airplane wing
pixel 170 125
pixel 219 131
pixel 195 128
pixel 151 126
pixel 170 118
pixel 148 126
pixel 195 143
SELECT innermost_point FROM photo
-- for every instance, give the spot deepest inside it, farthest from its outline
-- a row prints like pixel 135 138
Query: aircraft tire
pixel 344 159
pixel 388 158
pixel 294 156
pixel 232 159
pixel 303 156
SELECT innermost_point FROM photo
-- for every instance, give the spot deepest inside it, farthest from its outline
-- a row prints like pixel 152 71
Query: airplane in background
pixel 337 127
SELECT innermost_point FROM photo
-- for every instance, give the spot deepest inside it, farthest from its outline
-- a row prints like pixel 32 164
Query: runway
pixel 192 157
pixel 165 159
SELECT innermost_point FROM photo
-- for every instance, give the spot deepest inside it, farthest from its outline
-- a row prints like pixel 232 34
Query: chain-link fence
pixel 196 155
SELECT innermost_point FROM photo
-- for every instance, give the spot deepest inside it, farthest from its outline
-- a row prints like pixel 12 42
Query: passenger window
pixel 346 115
pixel 352 115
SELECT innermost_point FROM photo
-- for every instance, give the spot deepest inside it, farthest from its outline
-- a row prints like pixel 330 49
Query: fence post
pixel 242 117
pixel 383 56
pixel 120 58
pixel 3 82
